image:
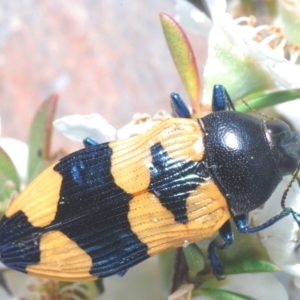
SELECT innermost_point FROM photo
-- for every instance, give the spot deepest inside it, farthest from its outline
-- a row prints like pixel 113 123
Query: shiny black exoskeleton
pixel 247 158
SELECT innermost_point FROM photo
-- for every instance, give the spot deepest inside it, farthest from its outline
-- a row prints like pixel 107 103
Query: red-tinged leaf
pixel 40 137
pixel 184 59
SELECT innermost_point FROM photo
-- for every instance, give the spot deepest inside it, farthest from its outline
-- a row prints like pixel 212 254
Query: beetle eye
pixel 276 126
pixel 288 164
pixel 285 147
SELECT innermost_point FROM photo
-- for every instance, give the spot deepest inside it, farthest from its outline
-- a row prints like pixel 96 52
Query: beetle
pixel 107 207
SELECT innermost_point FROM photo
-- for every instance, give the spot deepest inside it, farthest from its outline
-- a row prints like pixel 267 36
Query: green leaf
pixel 194 258
pixel 184 59
pixel 40 137
pixel 250 266
pixel 218 294
pixel 9 180
pixel 264 99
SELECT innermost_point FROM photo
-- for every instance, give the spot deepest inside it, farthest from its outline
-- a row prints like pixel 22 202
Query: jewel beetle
pixel 105 208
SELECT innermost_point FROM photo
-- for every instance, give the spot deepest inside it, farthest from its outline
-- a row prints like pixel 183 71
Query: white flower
pixel 17 284
pixel 192 19
pixel 18 153
pixel 290 112
pixel 22 286
pixel 235 59
pixel 245 65
pixel 140 124
pixel 4 295
pixel 143 281
pixel 183 293
pixel 281 239
pixel 78 127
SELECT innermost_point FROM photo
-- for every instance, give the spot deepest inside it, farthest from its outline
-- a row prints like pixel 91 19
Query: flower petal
pixel 140 124
pixel 267 287
pixel 18 153
pixel 192 18
pixel 146 279
pixel 183 293
pixel 79 127
pixel 290 111
pixel 233 63
pixel 5 296
pixel 18 283
pixel 280 239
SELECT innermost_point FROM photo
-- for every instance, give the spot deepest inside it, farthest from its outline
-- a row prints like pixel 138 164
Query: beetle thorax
pixel 240 159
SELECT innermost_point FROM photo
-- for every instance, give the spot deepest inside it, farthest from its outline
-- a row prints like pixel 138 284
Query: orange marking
pixel 155 225
pixel 40 198
pixel 61 259
pixel 131 158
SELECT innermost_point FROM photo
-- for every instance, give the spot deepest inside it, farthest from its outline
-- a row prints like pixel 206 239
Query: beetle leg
pixel 227 237
pixel 122 273
pixel 88 142
pixel 242 222
pixel 242 225
pixel 220 99
pixel 179 109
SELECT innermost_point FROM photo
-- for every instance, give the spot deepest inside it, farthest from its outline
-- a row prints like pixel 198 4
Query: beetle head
pixel 285 145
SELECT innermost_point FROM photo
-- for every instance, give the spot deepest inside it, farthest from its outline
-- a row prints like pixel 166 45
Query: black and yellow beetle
pixel 105 208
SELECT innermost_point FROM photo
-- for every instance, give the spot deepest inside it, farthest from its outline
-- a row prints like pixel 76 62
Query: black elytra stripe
pixel 172 181
pixel 92 211
pixel 19 242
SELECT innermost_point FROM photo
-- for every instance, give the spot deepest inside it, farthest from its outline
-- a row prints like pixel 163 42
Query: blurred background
pixel 106 57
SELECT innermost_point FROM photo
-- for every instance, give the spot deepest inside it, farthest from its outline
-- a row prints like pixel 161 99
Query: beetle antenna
pixel 289 186
pixel 255 111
